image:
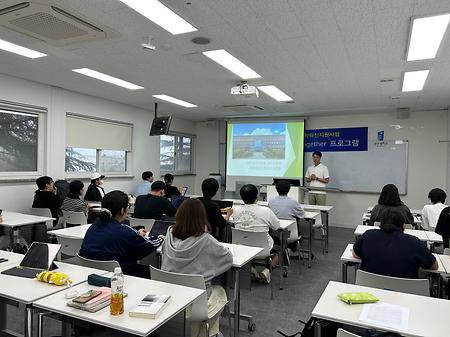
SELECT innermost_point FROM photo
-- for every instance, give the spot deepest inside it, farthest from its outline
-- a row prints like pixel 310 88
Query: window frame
pixel 176 158
pixel 41 113
pixel 128 154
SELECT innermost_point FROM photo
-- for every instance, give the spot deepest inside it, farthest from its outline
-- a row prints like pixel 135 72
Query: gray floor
pixel 301 292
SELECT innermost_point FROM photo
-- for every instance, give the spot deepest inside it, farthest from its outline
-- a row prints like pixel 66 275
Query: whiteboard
pixel 367 171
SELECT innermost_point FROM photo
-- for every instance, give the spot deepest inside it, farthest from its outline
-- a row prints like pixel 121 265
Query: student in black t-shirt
pixel 170 190
pixel 210 186
pixel 154 205
pixel 45 196
pixel 390 252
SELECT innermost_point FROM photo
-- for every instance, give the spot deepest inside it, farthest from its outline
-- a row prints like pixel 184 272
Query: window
pixel 21 140
pixel 95 145
pixel 176 154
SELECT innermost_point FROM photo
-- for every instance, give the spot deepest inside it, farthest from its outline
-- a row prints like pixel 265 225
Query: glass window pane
pixel 184 155
pixel 18 142
pixel 167 153
pixel 81 160
pixel 113 161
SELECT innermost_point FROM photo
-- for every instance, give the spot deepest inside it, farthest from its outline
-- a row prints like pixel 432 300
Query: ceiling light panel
pixel 414 80
pixel 426 37
pixel 174 100
pixel 106 78
pixel 228 61
pixel 275 93
pixel 161 15
pixel 16 49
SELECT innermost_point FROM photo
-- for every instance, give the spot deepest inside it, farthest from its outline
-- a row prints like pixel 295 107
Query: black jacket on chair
pixel 93 194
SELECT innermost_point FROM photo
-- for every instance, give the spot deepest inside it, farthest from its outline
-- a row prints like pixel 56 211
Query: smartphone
pixel 87 296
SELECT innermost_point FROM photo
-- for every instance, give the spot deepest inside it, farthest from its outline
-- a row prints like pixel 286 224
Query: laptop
pixel 39 257
pixel 177 200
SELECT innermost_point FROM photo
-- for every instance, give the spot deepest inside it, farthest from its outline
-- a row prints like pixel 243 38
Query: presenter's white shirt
pixel 320 171
pixel 430 215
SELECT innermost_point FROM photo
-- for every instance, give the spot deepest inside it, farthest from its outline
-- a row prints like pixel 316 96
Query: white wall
pixel 18 196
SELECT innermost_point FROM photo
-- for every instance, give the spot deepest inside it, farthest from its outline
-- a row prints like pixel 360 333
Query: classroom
pixel 253 164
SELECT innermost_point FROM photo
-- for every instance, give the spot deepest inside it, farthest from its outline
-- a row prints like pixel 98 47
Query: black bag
pixel 327 328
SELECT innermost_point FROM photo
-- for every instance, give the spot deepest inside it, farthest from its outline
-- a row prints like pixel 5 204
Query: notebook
pixel 39 257
pixel 150 306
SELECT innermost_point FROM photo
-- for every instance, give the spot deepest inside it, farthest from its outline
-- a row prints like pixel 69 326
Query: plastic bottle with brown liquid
pixel 116 306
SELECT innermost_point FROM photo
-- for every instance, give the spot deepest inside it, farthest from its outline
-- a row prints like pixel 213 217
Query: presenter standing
pixel 317 176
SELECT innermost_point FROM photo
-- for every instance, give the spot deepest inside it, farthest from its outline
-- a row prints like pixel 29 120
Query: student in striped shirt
pixel 73 200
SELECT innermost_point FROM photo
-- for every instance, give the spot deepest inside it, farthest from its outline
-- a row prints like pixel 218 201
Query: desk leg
pixel 184 323
pixel 28 322
pixel 11 238
pixel 310 242
pixel 344 272
pixel 3 316
pixel 326 230
pixel 281 258
pixel 237 301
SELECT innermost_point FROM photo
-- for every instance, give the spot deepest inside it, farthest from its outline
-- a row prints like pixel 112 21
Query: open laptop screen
pixel 40 255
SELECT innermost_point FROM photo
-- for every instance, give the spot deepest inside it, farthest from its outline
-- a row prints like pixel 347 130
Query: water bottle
pixel 116 306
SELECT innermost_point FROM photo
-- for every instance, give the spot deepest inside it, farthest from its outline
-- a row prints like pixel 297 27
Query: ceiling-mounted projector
pixel 245 89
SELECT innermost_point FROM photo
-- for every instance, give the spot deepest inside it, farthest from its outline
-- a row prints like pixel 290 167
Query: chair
pixel 199 312
pixel 74 218
pixel 345 333
pixel 69 246
pixel 306 231
pixel 255 239
pixel 102 265
pixel 147 223
pixel 446 251
pixel 404 285
pixel 43 212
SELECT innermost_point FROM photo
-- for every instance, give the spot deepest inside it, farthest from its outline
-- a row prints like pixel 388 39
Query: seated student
pixel 283 206
pixel 390 252
pixel 430 213
pixel 154 205
pixel 210 186
pixel 190 249
pixel 95 191
pixel 109 239
pixel 170 190
pixel 146 183
pixel 253 217
pixel 390 199
pixel 73 200
pixel 45 196
pixel 443 226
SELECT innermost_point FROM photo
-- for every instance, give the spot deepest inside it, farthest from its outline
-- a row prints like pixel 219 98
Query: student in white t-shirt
pixel 317 176
pixel 256 218
pixel 430 213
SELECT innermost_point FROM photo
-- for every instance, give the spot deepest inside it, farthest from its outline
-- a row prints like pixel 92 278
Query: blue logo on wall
pixel 380 136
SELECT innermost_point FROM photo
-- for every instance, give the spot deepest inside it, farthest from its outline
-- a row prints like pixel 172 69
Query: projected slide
pixel 265 150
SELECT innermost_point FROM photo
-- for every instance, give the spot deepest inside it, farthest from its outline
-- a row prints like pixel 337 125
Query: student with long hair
pixel 390 199
pixel 190 249
pixel 109 239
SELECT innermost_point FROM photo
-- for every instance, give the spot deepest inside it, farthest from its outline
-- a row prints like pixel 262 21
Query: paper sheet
pixel 386 315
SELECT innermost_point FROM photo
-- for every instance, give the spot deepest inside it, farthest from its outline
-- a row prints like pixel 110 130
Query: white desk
pixel 445 260
pixel 241 256
pixel 428 316
pixel 76 232
pixel 136 288
pixel 14 220
pixel 27 291
pixel 347 257
pixel 413 211
pixel 421 235
pixel 13 259
pixel 434 237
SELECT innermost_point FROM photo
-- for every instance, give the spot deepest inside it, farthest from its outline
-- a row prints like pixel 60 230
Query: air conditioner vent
pixel 48 26
pixel 53 24
pixel 242 108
